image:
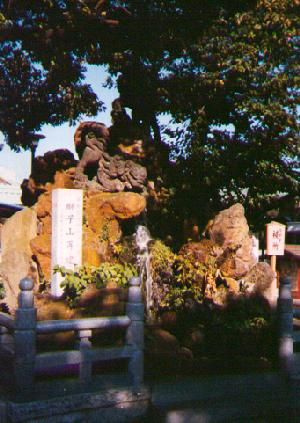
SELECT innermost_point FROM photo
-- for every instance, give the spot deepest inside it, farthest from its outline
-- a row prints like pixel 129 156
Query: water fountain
pixel 142 239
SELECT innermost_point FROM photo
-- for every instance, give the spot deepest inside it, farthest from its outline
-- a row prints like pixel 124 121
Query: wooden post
pixel 135 332
pixel 273 263
pixel 25 336
pixel 84 344
pixel 274 292
pixel 285 316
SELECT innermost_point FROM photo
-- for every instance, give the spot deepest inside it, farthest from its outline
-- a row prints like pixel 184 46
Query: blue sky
pixel 59 136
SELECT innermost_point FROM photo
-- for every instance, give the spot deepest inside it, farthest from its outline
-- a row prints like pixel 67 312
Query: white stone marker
pixel 66 248
pixel 255 248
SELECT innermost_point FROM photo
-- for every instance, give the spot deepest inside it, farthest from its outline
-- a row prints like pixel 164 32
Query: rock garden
pixel 207 298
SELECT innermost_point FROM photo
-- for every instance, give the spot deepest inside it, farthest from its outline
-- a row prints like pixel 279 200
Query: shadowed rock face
pixel 54 167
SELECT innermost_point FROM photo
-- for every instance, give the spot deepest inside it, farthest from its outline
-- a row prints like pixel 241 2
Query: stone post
pixel 285 315
pixel 25 336
pixel 6 340
pixel 66 240
pixel 135 332
pixel 83 344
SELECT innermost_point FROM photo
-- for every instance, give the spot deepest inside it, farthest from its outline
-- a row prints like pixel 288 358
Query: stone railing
pixel 285 322
pixel 289 333
pixel 18 339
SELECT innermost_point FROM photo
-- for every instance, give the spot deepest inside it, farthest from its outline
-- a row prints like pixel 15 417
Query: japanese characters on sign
pixel 275 239
pixel 66 232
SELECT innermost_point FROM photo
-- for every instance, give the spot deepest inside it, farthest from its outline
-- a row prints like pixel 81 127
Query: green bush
pixel 77 280
pixel 245 326
pixel 178 277
pixel 162 262
pixel 2 291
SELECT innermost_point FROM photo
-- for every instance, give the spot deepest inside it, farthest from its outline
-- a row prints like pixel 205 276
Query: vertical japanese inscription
pixel 275 239
pixel 66 232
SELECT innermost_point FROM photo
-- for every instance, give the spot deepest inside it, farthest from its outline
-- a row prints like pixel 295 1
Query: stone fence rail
pixel 289 334
pixel 18 339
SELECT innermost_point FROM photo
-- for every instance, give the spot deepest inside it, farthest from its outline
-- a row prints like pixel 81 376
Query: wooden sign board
pixel 275 239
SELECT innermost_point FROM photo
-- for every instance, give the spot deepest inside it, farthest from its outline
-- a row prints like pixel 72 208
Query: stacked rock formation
pixel 230 247
pixel 101 229
pixel 230 231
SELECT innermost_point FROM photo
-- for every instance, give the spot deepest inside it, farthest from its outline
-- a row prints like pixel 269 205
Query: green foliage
pixel 246 325
pixel 162 261
pixel 2 291
pixel 190 272
pixel 120 273
pixel 31 96
pixel 188 282
pixel 125 251
pixel 76 281
pixel 226 71
pixel 179 278
pixel 243 90
pixel 105 232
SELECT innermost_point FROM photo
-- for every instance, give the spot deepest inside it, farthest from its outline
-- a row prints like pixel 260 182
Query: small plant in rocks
pixel 76 281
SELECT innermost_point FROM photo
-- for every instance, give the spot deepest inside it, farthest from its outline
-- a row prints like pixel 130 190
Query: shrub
pixel 245 325
pixel 162 262
pixel 178 279
pixel 77 280
pixel 2 291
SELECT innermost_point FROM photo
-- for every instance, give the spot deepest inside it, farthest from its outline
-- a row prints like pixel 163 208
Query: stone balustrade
pixel 18 339
pixel 288 310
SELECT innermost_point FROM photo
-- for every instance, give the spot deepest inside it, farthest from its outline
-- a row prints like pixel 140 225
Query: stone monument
pixel 67 205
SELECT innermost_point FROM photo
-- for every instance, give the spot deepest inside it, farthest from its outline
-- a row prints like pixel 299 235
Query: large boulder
pixel 259 279
pixel 230 231
pixel 16 254
pixel 101 225
pixel 201 251
pixel 123 205
pixel 103 213
pixel 225 262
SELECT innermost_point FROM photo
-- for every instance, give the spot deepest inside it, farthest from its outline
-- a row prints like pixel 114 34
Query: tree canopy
pixel 226 71
pixel 31 96
pixel 241 82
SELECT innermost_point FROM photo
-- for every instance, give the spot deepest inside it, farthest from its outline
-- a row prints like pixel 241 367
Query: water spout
pixel 142 238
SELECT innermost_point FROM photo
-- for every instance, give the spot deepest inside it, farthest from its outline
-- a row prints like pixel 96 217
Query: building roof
pixel 293 250
pixel 10 191
pixel 293 227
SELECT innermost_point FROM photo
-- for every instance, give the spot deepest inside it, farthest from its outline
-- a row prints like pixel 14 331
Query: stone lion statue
pixel 110 159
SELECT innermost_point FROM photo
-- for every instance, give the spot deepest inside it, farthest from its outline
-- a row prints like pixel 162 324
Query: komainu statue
pixel 110 158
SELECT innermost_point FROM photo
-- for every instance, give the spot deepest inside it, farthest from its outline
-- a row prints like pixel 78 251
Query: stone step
pixel 226 399
pixel 217 388
pixel 231 412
